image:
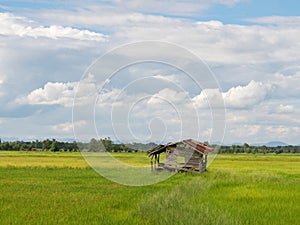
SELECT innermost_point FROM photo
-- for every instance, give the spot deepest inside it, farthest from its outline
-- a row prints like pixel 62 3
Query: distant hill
pixel 276 143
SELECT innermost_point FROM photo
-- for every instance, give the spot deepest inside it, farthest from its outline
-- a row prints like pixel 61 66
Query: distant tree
pixel 233 149
pixel 254 149
pixel 95 146
pixel 123 148
pixel 54 146
pixel 73 147
pixel 46 144
pixel 107 143
pixel 279 150
pixel 6 146
pixel 246 148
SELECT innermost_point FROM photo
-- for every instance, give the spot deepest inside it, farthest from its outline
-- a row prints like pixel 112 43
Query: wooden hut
pixel 187 155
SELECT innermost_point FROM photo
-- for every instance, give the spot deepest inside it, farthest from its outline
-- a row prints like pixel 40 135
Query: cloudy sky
pixel 50 52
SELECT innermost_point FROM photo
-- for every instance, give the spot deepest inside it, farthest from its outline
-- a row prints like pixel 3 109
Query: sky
pixel 55 81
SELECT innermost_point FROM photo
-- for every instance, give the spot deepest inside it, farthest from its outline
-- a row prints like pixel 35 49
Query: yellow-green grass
pixel 63 159
pixel 60 188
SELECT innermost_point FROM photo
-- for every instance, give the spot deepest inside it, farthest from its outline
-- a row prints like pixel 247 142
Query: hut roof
pixel 197 146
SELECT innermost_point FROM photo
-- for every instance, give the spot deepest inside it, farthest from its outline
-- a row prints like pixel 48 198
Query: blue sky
pixel 251 47
pixel 252 9
pixel 235 13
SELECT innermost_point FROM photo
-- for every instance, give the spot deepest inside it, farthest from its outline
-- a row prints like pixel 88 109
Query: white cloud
pixel 252 94
pixel 236 97
pixel 244 132
pixel 222 43
pixel 233 118
pixel 169 78
pixel 168 95
pixel 253 129
pixel 246 96
pixel 58 93
pixel 213 41
pixel 68 126
pixel 113 97
pixel 208 98
pixel 240 121
pixel 108 18
pixel 287 85
pixel 51 94
pixel 285 108
pixel 280 130
pixel 18 26
pixel 264 123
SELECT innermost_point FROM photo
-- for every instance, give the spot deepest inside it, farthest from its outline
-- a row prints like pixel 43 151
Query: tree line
pixel 246 148
pixel 93 145
pixel 107 144
pixel 37 145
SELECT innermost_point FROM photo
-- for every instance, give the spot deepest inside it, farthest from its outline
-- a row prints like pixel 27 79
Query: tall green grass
pixel 236 189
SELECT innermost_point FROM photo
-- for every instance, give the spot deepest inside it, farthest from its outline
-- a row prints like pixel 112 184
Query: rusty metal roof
pixel 198 146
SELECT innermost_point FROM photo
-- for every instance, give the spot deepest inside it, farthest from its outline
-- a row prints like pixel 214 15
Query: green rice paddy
pixel 60 188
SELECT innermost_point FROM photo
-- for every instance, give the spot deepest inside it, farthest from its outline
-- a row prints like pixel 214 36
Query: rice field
pixel 61 188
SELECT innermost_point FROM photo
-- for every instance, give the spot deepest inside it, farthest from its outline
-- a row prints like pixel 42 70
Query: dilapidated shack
pixel 187 155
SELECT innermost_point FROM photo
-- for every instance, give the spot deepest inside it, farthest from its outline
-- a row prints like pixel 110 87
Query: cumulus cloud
pixel 168 95
pixel 51 94
pixel 239 97
pixel 236 97
pixel 208 98
pixel 223 43
pixel 22 27
pixel 119 104
pixel 213 41
pixel 246 96
pixel 58 93
pixel 252 94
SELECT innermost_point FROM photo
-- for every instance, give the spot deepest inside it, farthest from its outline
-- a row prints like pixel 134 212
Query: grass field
pixel 60 188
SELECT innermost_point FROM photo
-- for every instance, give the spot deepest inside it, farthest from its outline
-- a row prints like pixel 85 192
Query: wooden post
pixel 200 164
pixel 151 163
pixel 155 159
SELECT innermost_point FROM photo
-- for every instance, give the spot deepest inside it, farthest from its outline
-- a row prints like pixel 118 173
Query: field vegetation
pixel 60 188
